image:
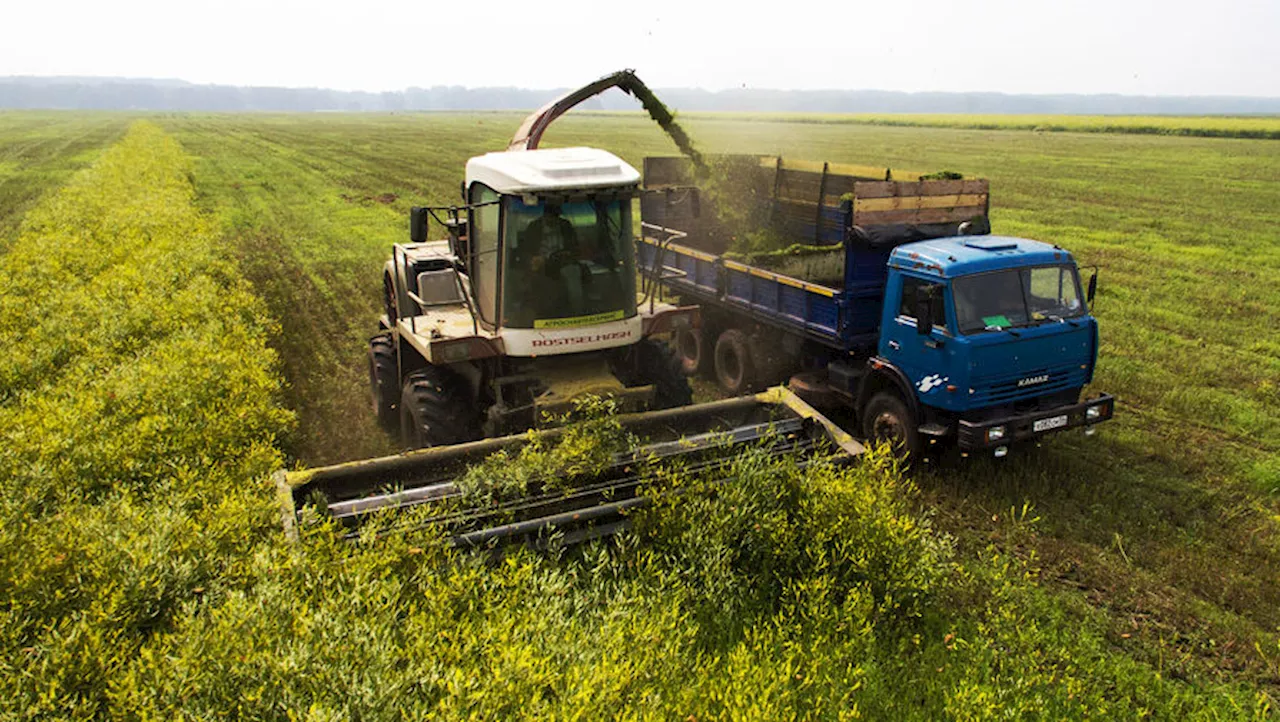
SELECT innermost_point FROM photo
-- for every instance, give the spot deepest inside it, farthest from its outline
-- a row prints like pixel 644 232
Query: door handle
pixel 932 343
pixel 895 345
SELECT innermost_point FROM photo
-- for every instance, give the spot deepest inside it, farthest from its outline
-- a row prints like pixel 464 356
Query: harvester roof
pixel 531 171
pixel 963 255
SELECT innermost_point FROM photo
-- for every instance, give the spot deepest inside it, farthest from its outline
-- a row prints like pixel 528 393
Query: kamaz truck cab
pixel 1004 350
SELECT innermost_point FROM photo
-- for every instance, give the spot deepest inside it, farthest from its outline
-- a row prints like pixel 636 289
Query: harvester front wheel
pixel 436 409
pixel 384 380
pixel 653 362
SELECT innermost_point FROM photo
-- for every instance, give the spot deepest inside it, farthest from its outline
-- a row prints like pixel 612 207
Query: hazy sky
pixel 1148 47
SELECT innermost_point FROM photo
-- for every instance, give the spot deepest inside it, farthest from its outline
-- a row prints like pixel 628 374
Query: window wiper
pixel 1008 329
pixel 1057 319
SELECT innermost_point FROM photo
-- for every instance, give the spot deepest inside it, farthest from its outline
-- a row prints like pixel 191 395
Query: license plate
pixel 1053 422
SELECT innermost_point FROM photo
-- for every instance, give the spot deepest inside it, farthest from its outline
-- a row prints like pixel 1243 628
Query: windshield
pixel 1017 297
pixel 568 264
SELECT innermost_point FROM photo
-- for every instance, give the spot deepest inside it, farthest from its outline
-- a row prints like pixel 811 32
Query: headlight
pixel 995 433
pixel 1093 413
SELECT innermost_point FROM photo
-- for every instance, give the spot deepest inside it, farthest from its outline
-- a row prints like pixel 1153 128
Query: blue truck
pixel 896 305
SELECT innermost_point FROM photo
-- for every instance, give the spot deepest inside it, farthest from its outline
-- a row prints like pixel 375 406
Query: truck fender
pixel 883 375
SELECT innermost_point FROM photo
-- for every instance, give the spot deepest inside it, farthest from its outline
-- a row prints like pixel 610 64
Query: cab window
pixel 484 246
pixel 914 288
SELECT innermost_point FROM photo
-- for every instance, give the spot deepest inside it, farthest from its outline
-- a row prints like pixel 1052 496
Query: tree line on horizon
pixel 85 93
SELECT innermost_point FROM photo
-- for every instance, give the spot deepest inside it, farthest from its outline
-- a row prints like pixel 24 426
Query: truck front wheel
pixel 887 418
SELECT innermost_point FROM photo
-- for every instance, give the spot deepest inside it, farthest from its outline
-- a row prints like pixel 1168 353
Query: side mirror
pixel 418 224
pixel 924 314
pixel 1093 288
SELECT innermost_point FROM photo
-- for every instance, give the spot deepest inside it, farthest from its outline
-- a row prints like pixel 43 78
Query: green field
pixel 1263 126
pixel 38 151
pixel 1133 573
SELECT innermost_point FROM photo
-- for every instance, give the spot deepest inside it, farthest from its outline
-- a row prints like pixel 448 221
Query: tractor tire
pixel 436 409
pixel 691 349
pixel 735 369
pixel 653 362
pixel 384 381
pixel 887 418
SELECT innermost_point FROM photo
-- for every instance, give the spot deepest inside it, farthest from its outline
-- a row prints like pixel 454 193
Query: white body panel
pixel 553 341
pixel 532 171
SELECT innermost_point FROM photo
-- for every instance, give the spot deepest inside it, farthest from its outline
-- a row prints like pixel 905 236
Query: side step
pixel 703 438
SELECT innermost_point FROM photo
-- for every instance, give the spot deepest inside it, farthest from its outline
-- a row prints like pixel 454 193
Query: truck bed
pixel 819 312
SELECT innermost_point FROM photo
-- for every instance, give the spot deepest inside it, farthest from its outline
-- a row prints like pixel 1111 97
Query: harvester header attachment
pixel 704 438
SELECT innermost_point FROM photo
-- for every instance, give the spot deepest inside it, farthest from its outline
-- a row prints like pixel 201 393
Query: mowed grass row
pixel 1165 522
pixel 143 574
pixel 38 151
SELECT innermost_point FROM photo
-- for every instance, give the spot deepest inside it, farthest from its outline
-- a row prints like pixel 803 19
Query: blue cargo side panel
pixel 784 300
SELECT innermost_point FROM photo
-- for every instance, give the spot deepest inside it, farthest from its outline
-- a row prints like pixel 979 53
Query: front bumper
pixel 984 434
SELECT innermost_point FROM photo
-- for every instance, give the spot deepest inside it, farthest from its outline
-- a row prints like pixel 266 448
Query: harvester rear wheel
pixel 436 409
pixel 384 380
pixel 735 370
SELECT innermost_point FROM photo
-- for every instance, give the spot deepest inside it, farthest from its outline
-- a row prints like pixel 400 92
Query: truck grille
pixel 1003 388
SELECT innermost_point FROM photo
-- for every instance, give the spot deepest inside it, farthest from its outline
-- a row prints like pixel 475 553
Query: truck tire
pixel 436 409
pixel 653 362
pixel 887 418
pixel 735 371
pixel 691 349
pixel 384 381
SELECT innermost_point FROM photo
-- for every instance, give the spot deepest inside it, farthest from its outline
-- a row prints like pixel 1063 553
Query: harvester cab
pixel 531 302
pixel 528 305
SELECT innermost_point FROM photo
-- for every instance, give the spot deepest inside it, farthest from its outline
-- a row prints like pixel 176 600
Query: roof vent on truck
pixel 991 243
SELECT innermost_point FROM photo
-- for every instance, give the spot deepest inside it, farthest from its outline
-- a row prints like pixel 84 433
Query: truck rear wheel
pixel 887 418
pixel 735 371
pixel 384 381
pixel 436 409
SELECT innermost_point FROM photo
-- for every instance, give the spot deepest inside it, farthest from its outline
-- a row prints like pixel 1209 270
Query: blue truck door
pixel 924 359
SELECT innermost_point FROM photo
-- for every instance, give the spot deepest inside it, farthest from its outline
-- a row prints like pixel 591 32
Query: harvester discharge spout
pixel 530 133
pixel 703 439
